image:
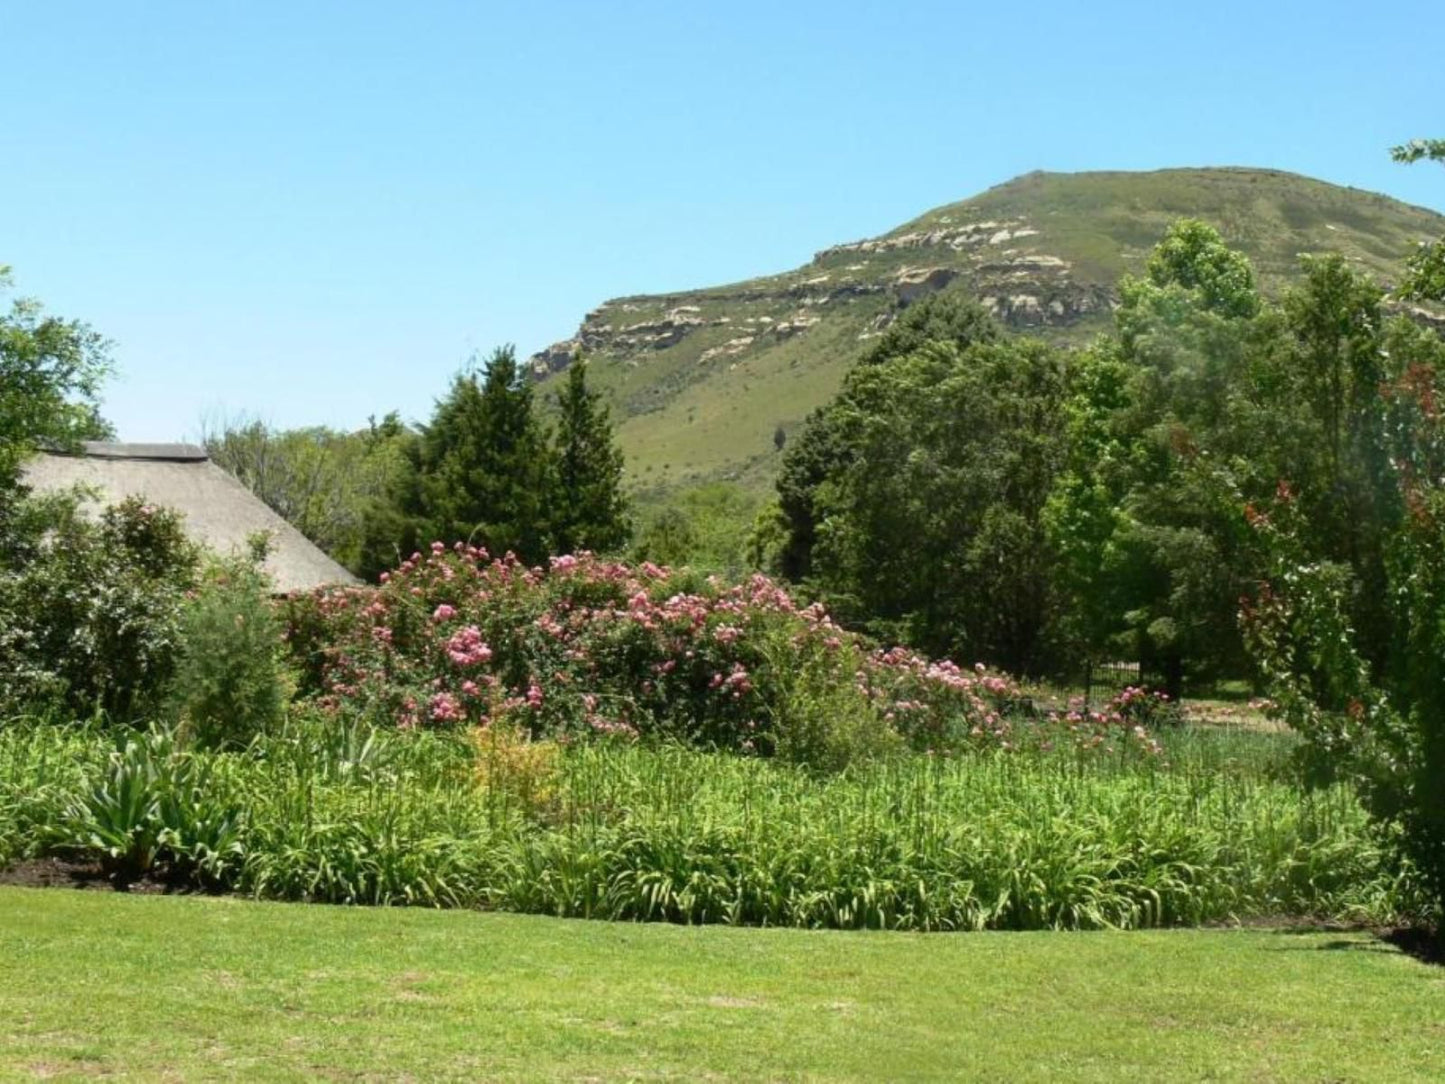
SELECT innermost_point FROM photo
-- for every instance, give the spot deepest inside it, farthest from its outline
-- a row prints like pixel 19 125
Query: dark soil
pixel 66 873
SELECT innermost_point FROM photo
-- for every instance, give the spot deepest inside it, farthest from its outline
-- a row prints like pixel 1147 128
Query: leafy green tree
pixel 820 448
pixel 767 537
pixel 329 485
pixel 951 316
pixel 668 537
pixel 389 524
pixel 938 539
pixel 705 527
pixel 1377 721
pixel 1208 398
pixel 1194 257
pixel 1204 401
pixel 589 508
pixel 823 447
pixel 51 371
pixel 482 463
pixel 1348 623
pixel 1425 273
pixel 90 614
pixel 1165 430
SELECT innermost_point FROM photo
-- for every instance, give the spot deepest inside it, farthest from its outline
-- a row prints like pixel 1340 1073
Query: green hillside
pixel 702 379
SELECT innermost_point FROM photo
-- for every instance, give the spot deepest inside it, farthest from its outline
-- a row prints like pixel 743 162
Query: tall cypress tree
pixel 483 463
pixel 589 509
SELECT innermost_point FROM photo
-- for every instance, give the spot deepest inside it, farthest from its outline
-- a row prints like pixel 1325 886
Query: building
pixel 220 513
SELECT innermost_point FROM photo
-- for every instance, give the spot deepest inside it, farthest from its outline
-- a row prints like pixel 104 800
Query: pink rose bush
pixel 586 646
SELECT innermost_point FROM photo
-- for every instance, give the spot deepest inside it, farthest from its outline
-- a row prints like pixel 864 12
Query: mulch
pixel 69 873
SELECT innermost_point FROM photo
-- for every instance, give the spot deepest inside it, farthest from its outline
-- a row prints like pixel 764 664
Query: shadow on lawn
pixel 1426 945
pixel 1421 942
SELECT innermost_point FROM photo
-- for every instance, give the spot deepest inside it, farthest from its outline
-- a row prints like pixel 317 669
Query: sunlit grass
pixel 192 988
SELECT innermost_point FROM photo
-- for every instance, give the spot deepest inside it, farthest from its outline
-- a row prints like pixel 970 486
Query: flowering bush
pixel 1147 707
pixel 587 646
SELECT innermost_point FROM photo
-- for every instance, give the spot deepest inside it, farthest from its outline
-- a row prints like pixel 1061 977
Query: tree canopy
pixel 1425 272
pixel 51 371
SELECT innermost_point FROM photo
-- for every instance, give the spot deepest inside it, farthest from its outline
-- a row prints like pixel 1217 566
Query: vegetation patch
pixel 1209 830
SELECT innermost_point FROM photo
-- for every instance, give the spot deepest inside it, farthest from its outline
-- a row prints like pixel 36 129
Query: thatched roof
pixel 219 511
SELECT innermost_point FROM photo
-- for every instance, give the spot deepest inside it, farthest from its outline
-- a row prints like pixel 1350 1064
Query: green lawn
pixel 185 988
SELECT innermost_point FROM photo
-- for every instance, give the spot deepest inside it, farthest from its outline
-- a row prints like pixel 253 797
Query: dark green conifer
pixel 482 463
pixel 589 509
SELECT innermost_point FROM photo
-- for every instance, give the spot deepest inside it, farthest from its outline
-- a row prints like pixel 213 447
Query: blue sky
pixel 313 212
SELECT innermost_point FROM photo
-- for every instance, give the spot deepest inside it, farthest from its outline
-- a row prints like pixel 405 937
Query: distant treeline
pixel 485 469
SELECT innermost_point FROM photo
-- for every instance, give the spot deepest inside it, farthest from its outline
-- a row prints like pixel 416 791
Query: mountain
pixel 701 380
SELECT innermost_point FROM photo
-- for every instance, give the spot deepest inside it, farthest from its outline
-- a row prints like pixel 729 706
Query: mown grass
pixel 199 988
pixel 1215 831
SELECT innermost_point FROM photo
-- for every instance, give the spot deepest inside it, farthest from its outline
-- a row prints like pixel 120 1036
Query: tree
pixel 482 463
pixel 1348 622
pixel 704 526
pixel 589 509
pixel 331 486
pixel 51 371
pixel 1425 271
pixel 937 539
pixel 1193 256
pixel 90 612
pixel 389 525
pixel 1165 429
pixel 822 448
pixel 1374 718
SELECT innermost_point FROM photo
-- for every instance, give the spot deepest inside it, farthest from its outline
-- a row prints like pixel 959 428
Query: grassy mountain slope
pixel 701 380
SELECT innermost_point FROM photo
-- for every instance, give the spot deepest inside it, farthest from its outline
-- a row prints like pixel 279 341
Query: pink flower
pixel 438 547
pixel 445 708
pixel 466 647
pixel 443 613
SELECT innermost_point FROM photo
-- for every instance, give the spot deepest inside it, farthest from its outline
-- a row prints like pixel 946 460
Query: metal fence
pixel 1105 680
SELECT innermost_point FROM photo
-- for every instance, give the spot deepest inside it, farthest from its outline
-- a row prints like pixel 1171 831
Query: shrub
pixel 589 647
pixel 513 770
pixel 90 609
pixel 820 718
pixel 230 682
